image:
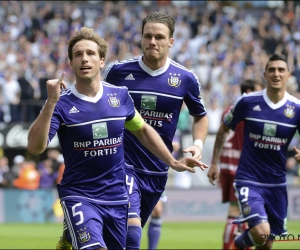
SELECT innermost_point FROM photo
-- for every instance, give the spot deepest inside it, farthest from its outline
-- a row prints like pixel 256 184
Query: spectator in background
pixel 214 113
pixel 30 92
pixel 12 92
pixel 14 172
pixel 55 157
pixel 292 172
pixel 4 172
pixel 47 173
pixel 206 30
pixel 24 173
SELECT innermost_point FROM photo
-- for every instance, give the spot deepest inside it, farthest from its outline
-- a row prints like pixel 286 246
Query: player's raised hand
pixel 54 87
pixel 213 174
pixel 195 150
pixel 187 164
pixel 297 155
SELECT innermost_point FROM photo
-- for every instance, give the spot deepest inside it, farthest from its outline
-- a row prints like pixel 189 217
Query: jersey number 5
pixel 80 213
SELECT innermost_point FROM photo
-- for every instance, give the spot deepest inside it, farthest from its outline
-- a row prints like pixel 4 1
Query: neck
pixel 275 95
pixel 88 88
pixel 154 64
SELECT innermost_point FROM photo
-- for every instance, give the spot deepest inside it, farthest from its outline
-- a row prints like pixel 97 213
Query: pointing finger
pixel 62 77
pixel 296 150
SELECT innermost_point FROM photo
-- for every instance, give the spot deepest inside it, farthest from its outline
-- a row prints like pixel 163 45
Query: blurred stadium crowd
pixel 223 42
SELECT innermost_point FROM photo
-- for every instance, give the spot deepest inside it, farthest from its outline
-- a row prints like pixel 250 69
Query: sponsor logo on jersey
pixel 148 102
pixel 174 80
pixel 289 111
pixel 99 130
pixel 83 236
pixel 269 129
pixel 113 100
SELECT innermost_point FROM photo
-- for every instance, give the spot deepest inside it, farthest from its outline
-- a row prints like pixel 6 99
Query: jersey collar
pixel 154 72
pixel 87 98
pixel 274 105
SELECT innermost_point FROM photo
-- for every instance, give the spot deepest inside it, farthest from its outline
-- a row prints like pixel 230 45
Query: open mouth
pixel 85 69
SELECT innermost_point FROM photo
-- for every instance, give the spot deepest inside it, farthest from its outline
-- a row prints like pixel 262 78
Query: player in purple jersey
pixel 158 86
pixel 271 118
pixel 89 119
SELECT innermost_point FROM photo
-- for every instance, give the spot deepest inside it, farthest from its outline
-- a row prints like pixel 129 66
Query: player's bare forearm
pixel 200 128
pixel 219 142
pixel 213 172
pixel 199 132
pixel 38 131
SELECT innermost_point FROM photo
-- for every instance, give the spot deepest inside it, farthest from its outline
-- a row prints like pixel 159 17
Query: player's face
pixel 156 41
pixel 277 75
pixel 86 62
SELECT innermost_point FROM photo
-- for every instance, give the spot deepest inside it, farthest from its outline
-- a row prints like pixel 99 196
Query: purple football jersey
pixel 269 128
pixel 90 132
pixel 158 96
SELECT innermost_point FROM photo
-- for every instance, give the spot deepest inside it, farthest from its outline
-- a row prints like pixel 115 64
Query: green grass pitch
pixel 175 235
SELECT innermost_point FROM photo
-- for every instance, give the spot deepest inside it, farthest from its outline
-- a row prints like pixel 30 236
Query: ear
pixel 171 42
pixel 71 65
pixel 102 63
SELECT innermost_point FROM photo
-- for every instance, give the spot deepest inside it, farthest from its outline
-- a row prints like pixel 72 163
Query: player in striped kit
pixel 271 118
pixel 89 119
pixel 158 86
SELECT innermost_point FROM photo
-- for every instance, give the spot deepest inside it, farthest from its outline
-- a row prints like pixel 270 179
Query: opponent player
pixel 271 118
pixel 228 163
pixel 89 119
pixel 158 86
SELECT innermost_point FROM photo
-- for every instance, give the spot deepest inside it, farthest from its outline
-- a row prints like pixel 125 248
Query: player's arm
pixel 213 173
pixel 153 142
pixel 199 133
pixel 39 130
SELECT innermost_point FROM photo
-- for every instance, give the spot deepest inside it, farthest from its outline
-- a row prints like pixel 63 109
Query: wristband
pixel 199 143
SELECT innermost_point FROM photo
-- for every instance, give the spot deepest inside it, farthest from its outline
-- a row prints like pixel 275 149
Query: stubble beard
pixel 86 79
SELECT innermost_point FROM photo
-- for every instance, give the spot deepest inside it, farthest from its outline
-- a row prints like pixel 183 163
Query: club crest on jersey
pixel 246 209
pixel 289 111
pixel 83 236
pixel 174 80
pixel 113 100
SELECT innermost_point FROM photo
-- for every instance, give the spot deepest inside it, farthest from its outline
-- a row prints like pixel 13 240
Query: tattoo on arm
pixel 220 140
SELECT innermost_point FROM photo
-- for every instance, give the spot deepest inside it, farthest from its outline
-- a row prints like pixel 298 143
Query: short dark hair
pixel 250 84
pixel 157 17
pixel 277 57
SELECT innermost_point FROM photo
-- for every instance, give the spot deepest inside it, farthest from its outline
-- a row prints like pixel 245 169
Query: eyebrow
pixel 276 68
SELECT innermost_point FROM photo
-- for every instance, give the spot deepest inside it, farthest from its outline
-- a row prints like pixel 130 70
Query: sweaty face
pixel 86 62
pixel 277 74
pixel 156 41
